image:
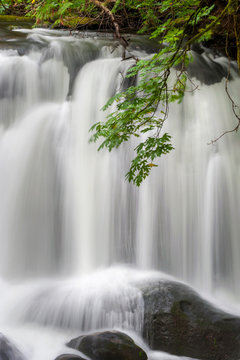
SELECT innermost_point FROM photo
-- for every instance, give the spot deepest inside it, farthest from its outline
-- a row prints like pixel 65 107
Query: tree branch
pixel 212 24
pixel 108 12
pixel 234 106
pixel 3 5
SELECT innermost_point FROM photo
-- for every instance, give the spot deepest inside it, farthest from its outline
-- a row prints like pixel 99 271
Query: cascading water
pixel 67 213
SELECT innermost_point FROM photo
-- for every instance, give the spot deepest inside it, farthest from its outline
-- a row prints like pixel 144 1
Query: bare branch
pixel 234 107
pixel 2 3
pixel 108 12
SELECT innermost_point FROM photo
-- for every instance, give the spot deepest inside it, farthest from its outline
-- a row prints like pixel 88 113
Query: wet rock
pixel 69 357
pixel 9 351
pixel 178 321
pixel 108 345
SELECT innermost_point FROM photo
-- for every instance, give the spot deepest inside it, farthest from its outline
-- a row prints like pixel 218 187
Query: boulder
pixel 178 321
pixel 69 357
pixel 108 345
pixel 9 351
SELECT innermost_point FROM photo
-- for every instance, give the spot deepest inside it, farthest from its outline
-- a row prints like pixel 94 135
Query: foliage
pixel 177 24
pixel 138 108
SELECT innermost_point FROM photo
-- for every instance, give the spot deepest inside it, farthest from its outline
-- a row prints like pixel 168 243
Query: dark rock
pixel 108 345
pixel 69 357
pixel 177 320
pixel 8 351
pixel 206 66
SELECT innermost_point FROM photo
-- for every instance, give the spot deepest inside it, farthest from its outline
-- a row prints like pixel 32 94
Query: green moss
pixel 13 18
pixel 180 326
pixel 74 21
pixel 176 310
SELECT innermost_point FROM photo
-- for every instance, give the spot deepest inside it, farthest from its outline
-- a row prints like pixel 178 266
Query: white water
pixel 68 217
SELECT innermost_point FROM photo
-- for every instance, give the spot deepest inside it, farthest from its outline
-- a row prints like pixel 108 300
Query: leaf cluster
pixel 141 110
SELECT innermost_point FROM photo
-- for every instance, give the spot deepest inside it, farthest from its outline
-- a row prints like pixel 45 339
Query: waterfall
pixel 74 235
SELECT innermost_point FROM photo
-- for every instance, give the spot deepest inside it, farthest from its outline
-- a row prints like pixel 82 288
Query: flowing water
pixel 75 236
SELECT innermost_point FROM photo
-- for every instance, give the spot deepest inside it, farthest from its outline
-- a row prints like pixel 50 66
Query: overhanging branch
pixel 109 13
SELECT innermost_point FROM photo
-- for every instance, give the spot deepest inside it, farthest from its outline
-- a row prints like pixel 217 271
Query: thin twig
pixel 3 5
pixel 234 106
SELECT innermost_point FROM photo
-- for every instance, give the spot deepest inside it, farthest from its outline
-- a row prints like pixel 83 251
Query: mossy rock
pixel 108 345
pixel 74 21
pixel 69 357
pixel 13 18
pixel 178 321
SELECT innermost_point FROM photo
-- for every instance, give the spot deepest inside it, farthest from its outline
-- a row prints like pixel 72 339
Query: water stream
pixel 74 235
